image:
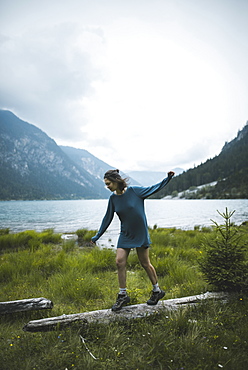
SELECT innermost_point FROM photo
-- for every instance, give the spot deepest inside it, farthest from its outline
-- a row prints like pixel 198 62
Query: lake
pixel 71 215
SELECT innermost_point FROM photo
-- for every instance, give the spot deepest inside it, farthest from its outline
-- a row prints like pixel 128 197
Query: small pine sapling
pixel 224 264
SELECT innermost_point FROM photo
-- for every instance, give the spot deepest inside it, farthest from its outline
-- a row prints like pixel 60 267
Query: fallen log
pixel 25 305
pixel 126 313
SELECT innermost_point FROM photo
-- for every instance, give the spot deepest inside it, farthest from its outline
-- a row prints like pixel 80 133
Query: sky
pixel 141 84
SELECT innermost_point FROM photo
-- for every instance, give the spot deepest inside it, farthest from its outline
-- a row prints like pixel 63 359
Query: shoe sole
pixel 154 303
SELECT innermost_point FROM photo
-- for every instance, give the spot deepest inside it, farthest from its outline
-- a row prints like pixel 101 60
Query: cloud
pixel 140 85
pixel 53 70
pixel 177 155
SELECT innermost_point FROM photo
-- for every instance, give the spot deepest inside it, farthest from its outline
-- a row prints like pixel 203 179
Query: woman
pixel 128 203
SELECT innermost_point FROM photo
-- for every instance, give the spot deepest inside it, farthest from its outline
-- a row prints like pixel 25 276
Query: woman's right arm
pixel 106 221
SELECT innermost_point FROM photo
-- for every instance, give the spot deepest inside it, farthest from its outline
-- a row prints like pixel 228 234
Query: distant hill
pixel 33 166
pixel 228 171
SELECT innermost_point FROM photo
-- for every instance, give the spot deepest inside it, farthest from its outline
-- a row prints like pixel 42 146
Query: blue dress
pixel 129 207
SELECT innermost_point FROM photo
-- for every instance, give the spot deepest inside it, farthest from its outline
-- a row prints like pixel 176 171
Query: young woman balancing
pixel 128 203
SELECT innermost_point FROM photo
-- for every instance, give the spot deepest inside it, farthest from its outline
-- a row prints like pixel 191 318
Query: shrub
pixel 48 236
pixel 27 239
pixel 89 235
pixel 81 232
pixel 17 241
pixel 224 264
pixel 4 231
pixel 85 234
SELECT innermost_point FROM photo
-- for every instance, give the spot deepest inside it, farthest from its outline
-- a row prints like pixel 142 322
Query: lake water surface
pixel 71 215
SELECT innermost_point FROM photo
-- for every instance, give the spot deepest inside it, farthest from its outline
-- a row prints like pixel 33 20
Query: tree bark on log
pixel 126 313
pixel 25 305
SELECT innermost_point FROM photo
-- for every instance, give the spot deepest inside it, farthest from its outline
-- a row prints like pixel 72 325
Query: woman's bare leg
pixel 121 263
pixel 157 293
pixel 143 255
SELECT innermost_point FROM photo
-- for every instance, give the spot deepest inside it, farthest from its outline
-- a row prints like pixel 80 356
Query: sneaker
pixel 155 297
pixel 121 301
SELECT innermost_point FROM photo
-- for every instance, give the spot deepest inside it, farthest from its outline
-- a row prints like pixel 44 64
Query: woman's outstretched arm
pixel 146 191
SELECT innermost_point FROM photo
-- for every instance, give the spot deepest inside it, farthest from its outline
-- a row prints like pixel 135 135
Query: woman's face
pixel 111 185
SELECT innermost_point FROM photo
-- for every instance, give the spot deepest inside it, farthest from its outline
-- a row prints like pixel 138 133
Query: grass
pixel 79 279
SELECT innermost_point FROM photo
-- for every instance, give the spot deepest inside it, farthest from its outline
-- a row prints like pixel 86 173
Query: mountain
pixel 147 178
pixel 33 166
pixel 92 164
pixel 226 174
pixel 86 161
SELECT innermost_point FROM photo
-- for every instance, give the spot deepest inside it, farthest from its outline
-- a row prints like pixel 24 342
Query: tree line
pixel 229 169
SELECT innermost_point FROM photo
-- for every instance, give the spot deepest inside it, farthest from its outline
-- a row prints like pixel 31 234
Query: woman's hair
pixel 113 175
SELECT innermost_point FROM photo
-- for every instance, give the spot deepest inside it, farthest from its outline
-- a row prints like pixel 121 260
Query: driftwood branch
pixel 126 313
pixel 25 305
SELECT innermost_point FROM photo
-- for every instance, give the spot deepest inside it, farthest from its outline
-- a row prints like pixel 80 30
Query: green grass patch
pixel 80 279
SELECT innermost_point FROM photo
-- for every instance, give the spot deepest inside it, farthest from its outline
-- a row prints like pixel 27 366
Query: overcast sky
pixel 141 84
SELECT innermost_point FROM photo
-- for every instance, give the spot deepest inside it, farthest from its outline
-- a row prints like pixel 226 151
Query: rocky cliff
pixel 33 166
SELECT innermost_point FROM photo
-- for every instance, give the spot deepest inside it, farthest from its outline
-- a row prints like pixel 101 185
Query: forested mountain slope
pixel 229 169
